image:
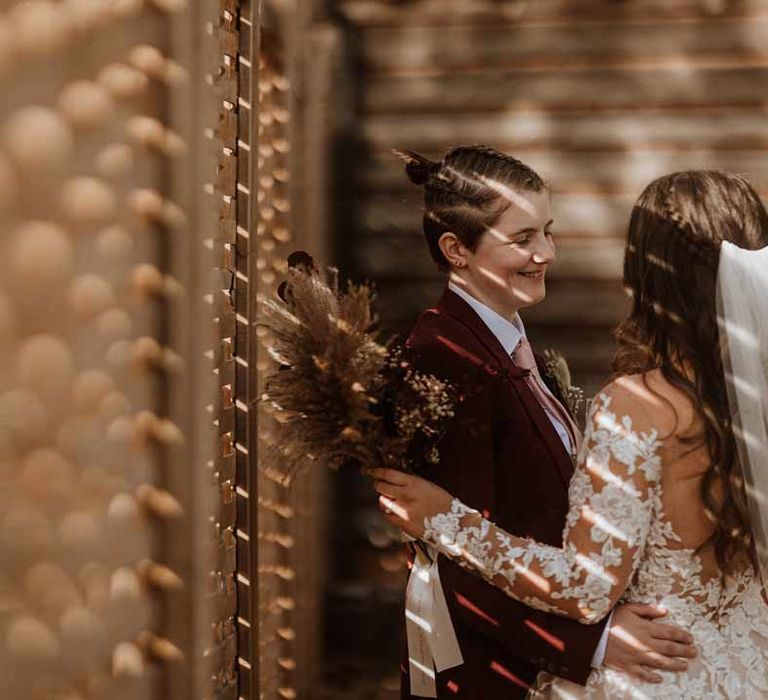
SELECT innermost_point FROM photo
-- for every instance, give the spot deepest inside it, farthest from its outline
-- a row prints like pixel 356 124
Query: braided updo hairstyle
pixel 670 271
pixel 464 193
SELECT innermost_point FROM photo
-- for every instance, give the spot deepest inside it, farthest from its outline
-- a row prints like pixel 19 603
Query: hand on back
pixel 638 642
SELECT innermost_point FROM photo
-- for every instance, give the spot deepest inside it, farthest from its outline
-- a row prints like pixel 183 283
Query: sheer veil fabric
pixel 743 318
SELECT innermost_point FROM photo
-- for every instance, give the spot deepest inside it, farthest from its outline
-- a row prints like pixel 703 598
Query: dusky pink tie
pixel 523 357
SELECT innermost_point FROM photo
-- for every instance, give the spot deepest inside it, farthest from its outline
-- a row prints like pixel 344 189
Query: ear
pixel 453 250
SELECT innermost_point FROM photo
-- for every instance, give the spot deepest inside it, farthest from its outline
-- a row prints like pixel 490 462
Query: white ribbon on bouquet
pixel 432 643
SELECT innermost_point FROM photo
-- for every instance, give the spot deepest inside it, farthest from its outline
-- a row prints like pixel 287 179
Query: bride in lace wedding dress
pixel 665 503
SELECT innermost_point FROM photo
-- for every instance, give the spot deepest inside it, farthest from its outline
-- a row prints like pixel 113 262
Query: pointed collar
pixel 451 304
pixel 508 333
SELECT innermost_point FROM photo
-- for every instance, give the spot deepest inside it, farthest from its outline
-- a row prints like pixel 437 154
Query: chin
pixel 535 297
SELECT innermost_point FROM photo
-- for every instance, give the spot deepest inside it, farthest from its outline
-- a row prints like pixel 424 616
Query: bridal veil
pixel 743 319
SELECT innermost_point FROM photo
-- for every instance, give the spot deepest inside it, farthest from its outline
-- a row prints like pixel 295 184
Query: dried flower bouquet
pixel 340 395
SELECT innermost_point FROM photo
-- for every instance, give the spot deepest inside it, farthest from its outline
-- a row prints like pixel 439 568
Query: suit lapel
pixel 544 426
pixel 453 305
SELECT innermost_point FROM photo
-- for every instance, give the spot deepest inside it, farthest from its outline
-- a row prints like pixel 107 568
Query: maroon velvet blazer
pixel 503 457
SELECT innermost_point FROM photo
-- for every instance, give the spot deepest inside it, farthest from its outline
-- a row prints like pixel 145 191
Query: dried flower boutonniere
pixel 557 369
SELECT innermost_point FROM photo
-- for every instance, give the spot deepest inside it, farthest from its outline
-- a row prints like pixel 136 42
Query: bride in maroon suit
pixel 510 452
pixel 667 504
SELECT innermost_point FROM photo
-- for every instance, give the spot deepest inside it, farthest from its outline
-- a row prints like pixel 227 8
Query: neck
pixel 467 285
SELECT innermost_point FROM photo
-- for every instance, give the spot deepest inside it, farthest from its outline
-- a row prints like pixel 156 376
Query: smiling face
pixel 507 269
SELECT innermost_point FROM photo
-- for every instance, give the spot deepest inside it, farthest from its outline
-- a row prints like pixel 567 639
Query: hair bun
pixel 302 259
pixel 417 166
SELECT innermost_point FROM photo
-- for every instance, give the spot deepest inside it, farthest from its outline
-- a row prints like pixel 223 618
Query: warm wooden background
pixel 599 96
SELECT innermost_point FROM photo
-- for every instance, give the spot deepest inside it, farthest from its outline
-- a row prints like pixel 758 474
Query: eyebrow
pixel 529 229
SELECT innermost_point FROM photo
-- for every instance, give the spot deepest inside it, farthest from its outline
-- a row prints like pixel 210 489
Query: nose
pixel 544 252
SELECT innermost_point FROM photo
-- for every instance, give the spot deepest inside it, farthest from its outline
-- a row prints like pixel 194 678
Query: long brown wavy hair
pixel 670 273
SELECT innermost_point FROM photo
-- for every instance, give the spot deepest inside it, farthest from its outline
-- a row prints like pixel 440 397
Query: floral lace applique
pixel 612 495
pixel 619 546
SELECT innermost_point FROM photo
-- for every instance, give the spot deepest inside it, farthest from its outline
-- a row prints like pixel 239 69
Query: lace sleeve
pixel 612 496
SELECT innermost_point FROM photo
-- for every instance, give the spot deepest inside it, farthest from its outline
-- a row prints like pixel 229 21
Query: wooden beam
pixel 518 130
pixel 410 49
pixel 440 13
pixel 667 87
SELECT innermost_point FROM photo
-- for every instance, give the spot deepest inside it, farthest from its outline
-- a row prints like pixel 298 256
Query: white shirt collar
pixel 507 332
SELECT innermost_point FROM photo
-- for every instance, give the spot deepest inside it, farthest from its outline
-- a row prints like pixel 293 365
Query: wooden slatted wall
pixel 282 193
pixel 232 644
pixel 104 435
pixel 599 96
pixel 272 83
pixel 192 547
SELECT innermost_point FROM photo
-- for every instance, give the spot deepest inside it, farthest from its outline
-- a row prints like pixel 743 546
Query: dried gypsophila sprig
pixel 415 408
pixel 339 395
pixel 557 368
pixel 420 404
